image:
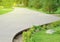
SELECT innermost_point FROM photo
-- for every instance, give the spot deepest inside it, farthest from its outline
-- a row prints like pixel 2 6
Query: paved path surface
pixel 19 19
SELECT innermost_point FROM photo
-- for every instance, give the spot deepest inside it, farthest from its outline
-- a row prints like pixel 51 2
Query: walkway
pixel 19 19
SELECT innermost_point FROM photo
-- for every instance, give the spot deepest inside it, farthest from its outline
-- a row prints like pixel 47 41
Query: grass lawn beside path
pixel 44 33
pixel 3 11
pixel 43 37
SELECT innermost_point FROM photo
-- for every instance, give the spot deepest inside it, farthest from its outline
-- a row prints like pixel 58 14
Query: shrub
pixel 24 36
pixel 27 34
pixel 58 11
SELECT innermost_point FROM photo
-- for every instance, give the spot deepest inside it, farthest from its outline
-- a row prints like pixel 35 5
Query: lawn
pixel 39 33
pixel 3 11
pixel 43 37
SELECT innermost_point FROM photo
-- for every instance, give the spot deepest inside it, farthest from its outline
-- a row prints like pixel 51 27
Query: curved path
pixel 19 19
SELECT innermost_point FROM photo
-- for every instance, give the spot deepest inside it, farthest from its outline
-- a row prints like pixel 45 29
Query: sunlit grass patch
pixel 38 33
pixel 5 10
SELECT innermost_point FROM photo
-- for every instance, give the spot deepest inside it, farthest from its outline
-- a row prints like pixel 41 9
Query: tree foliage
pixel 49 6
pixel 35 3
pixel 7 3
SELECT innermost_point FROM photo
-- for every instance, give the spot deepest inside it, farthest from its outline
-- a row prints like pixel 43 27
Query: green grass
pixel 3 11
pixel 43 37
pixel 38 33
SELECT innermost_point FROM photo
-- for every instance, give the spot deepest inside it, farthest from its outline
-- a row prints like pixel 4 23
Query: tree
pixel 0 2
pixel 35 3
pixel 49 6
pixel 7 3
pixel 25 2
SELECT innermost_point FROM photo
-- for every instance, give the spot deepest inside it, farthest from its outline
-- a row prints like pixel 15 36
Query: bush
pixel 58 11
pixel 24 35
pixel 27 34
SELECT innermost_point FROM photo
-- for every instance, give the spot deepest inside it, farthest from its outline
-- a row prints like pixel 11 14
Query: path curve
pixel 19 19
